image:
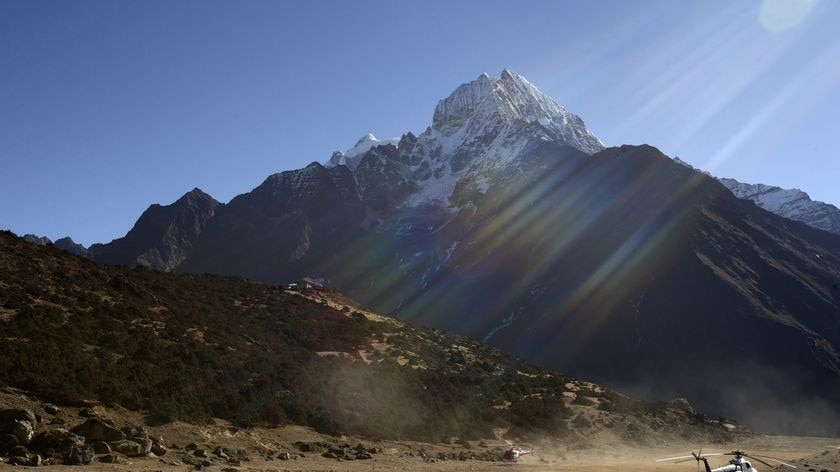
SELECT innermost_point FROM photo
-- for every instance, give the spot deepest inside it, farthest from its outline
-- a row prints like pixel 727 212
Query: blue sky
pixel 109 106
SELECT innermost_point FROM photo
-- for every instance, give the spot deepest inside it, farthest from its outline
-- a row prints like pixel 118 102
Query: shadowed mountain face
pixel 192 347
pixel 163 236
pixel 507 221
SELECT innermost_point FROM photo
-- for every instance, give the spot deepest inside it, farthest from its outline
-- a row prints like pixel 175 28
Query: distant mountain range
pixel 507 220
pixel 793 204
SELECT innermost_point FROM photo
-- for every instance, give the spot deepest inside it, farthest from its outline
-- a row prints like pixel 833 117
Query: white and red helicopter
pixel 515 453
pixel 739 463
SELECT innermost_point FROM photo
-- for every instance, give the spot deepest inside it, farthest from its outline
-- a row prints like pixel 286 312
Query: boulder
pixel 158 449
pixel 101 447
pixel 24 431
pixel 135 432
pixel 19 451
pixel 51 409
pixel 80 455
pixel 128 448
pixel 18 460
pixel 97 429
pixel 309 446
pixel 7 442
pixel 231 451
pixel 109 458
pixel 88 412
pixel 59 441
pixel 19 422
pixel 145 444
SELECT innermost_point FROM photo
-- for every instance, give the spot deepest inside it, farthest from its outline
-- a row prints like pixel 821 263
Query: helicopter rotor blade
pixel 678 458
pixel 772 459
pixel 758 460
pixel 692 456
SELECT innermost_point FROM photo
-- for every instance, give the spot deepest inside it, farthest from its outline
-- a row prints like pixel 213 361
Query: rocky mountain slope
pixel 507 220
pixel 793 204
pixel 65 244
pixel 192 347
pixel 163 236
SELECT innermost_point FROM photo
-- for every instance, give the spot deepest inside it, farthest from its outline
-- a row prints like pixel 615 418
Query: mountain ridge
pixel 793 204
pixel 504 230
pixel 191 347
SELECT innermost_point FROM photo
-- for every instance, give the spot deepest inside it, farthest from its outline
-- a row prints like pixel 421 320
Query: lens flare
pixel 781 15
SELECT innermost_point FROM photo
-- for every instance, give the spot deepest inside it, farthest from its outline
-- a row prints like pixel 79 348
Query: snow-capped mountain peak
pixel 363 145
pixel 485 104
pixel 790 203
pixel 480 129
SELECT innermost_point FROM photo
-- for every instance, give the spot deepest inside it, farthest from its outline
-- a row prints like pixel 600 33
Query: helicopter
pixel 739 463
pixel 515 453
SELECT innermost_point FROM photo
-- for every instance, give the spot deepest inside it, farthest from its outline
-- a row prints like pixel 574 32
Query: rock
pixel 199 452
pixel 19 451
pixel 19 422
pixel 88 412
pixel 97 429
pixel 329 455
pixel 231 451
pixel 57 421
pixel 80 455
pixel 58 440
pixel 309 446
pixel 128 448
pixel 51 409
pixel 101 447
pixel 7 442
pixel 191 446
pixel 24 431
pixel 135 432
pixel 109 458
pixel 284 456
pixel 363 455
pixel 18 460
pixel 145 444
pixel 35 460
pixel 158 449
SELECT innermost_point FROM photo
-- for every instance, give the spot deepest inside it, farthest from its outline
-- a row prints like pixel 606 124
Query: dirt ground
pixel 809 454
pixel 263 447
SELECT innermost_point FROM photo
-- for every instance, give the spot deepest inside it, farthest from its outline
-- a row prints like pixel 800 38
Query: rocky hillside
pixel 192 347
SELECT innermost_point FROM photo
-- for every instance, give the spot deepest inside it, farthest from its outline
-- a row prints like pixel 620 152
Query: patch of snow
pixel 505 323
